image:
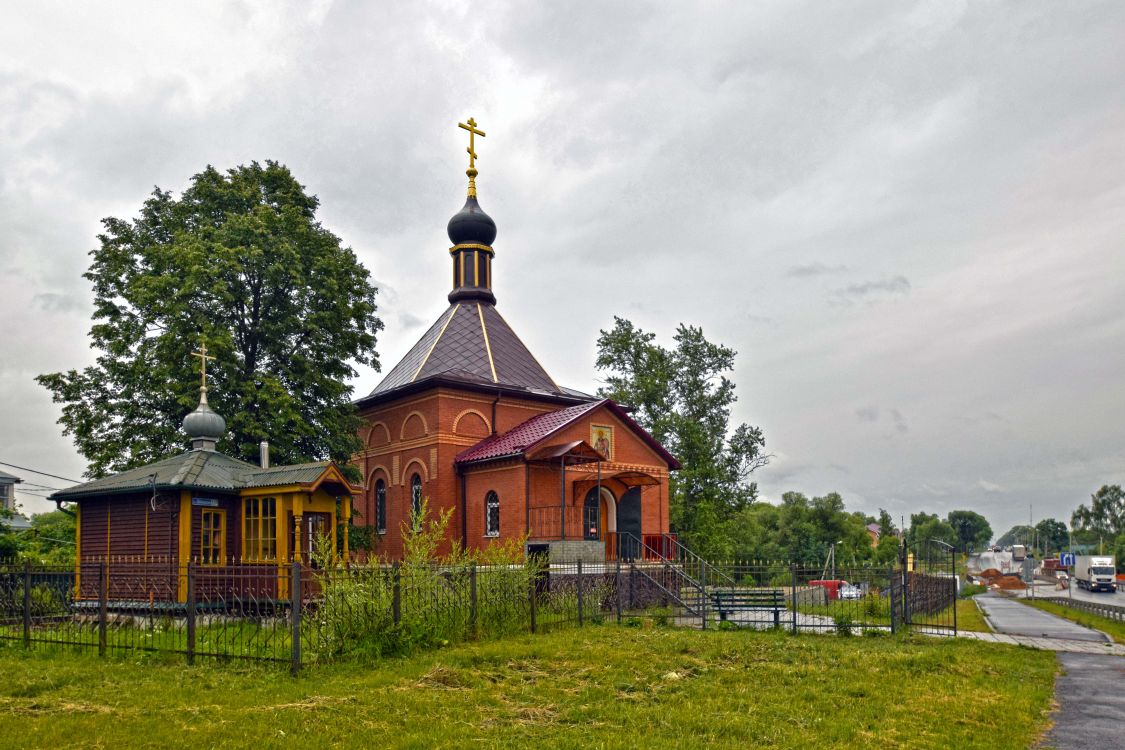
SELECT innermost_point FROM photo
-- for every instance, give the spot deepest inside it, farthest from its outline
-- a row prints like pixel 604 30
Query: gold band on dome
pixel 472 246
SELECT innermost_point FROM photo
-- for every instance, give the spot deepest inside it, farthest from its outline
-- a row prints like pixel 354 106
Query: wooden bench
pixel 732 601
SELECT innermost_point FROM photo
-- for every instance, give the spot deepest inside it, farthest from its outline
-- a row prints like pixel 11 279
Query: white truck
pixel 1019 552
pixel 1095 573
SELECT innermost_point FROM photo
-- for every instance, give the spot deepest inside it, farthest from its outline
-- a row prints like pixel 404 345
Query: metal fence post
pixel 473 612
pixel 579 589
pixel 396 595
pixel 190 613
pixel 103 607
pixel 632 585
pixel 953 570
pixel 27 604
pixel 531 599
pixel 617 591
pixel 295 615
pixel 793 594
pixel 893 600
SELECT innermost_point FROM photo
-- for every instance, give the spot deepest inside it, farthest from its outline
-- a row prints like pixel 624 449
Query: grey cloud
pixel 809 270
pixel 671 163
pixel 895 285
pixel 868 413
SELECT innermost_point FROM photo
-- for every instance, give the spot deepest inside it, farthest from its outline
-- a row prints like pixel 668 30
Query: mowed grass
pixel 1112 628
pixel 600 687
pixel 970 618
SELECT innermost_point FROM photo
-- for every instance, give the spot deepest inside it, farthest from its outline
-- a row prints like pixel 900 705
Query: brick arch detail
pixel 457 420
pixel 406 472
pixel 405 422
pixel 375 470
pixel 371 433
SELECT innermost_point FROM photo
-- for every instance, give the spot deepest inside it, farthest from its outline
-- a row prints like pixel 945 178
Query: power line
pixel 25 485
pixel 43 473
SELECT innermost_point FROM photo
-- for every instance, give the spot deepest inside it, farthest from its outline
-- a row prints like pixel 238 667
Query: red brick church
pixel 471 421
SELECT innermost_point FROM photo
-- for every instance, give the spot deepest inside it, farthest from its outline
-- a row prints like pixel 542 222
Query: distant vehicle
pixel 1063 579
pixel 1019 552
pixel 850 591
pixel 1095 573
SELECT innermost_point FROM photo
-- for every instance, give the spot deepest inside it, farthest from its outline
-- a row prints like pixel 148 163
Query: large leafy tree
pixel 682 395
pixel 1052 535
pixel 240 261
pixel 973 530
pixel 1105 515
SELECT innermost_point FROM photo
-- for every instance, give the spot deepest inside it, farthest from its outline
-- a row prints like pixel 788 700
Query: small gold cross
pixel 472 128
pixel 203 357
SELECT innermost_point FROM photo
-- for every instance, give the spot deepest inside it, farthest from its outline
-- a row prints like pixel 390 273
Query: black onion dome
pixel 471 225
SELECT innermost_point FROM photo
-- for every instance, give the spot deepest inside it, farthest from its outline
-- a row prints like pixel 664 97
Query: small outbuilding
pixel 234 521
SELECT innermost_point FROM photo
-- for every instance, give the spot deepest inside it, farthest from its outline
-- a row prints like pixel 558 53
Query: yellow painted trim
pixel 436 340
pixel 296 503
pixel 184 543
pixel 487 346
pixel 461 263
pixel 476 270
pixel 472 246
pixel 347 501
pixel 222 514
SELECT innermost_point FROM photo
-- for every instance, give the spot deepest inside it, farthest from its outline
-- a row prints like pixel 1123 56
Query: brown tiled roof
pixel 472 342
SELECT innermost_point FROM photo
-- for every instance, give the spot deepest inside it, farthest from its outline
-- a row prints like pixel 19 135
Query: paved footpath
pixel 1091 705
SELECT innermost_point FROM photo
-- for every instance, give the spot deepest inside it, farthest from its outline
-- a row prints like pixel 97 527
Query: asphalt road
pixel 1091 704
pixel 1009 616
pixel 1101 597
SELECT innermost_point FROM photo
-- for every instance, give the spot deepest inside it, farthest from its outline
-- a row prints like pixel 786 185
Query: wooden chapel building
pixel 471 421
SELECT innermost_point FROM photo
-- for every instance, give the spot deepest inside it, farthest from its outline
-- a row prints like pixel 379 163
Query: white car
pixel 848 591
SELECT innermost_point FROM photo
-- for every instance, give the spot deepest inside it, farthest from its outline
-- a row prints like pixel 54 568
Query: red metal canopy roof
pixel 523 438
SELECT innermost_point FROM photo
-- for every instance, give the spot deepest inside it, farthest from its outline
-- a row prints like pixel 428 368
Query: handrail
pixel 641 546
pixel 683 550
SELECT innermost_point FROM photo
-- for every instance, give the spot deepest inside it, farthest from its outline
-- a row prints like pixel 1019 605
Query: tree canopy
pixel 972 529
pixel 1052 535
pixel 1105 515
pixel 241 262
pixel 683 396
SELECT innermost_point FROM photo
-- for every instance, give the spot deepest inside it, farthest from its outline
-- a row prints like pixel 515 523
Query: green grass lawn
pixel 969 617
pixel 1112 628
pixel 600 687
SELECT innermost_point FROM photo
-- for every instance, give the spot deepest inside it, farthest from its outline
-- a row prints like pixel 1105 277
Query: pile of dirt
pixel 993 578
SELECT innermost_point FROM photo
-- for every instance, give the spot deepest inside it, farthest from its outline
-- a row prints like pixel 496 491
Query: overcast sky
pixel 908 219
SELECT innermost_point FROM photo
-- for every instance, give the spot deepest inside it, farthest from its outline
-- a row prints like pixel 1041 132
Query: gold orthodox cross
pixel 472 128
pixel 203 357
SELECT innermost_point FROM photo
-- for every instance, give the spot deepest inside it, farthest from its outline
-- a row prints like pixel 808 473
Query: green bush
pixel 972 589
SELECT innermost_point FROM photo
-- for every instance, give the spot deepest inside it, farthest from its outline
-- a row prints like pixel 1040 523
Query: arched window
pixel 591 516
pixel 492 514
pixel 416 495
pixel 380 506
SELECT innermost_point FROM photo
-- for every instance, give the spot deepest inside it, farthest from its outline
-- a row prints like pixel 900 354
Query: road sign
pixel 1066 559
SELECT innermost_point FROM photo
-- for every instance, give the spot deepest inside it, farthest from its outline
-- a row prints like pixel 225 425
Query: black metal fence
pixel 297 614
pixel 293 613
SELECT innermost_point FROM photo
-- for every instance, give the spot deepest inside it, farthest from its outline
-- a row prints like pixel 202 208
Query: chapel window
pixel 416 495
pixel 492 514
pixel 380 506
pixel 259 529
pixel 211 537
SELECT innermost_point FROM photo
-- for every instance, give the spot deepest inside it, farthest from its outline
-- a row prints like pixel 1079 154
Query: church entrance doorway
pixel 629 523
pixel 599 516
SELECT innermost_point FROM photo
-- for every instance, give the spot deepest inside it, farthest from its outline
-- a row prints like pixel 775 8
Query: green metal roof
pixel 197 469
